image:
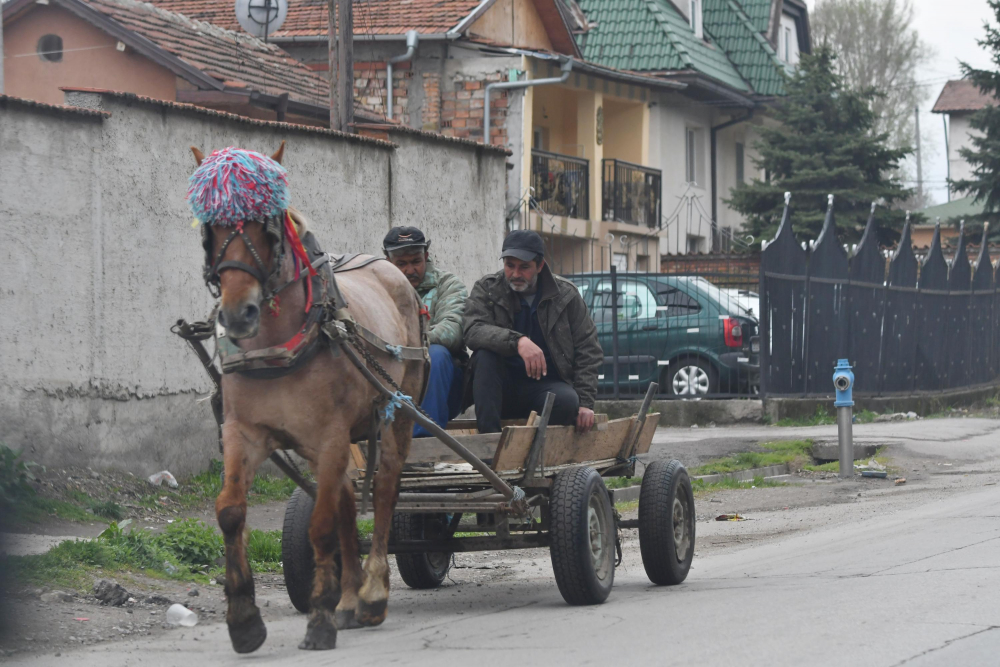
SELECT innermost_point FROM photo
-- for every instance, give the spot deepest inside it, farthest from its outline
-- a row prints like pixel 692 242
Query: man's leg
pixel 564 409
pixel 435 401
pixel 488 375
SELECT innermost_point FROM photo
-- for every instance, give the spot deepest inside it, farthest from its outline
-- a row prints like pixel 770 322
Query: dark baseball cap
pixel 404 237
pixel 523 244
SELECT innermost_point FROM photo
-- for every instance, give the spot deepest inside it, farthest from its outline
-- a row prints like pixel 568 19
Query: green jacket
pixel 444 296
pixel 566 324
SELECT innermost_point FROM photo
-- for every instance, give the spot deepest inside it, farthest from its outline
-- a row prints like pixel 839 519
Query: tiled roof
pixel 759 13
pixel 236 59
pixel 8 100
pixel 308 18
pixel 748 50
pixel 956 208
pixel 652 35
pixel 961 95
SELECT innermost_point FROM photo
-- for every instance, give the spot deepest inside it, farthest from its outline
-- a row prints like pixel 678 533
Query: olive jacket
pixel 444 296
pixel 566 325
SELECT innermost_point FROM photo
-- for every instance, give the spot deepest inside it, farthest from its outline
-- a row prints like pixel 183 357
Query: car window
pixel 635 301
pixel 675 302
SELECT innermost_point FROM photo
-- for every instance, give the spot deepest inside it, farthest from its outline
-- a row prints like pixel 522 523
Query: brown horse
pixel 315 411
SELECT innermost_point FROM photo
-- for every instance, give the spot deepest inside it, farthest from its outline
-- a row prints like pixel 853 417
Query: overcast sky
pixel 951 27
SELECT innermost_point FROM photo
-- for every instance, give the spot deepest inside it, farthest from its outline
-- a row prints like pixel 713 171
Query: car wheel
pixel 692 378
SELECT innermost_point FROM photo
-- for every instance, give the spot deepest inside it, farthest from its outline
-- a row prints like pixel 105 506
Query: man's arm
pixel 446 320
pixel 480 331
pixel 588 355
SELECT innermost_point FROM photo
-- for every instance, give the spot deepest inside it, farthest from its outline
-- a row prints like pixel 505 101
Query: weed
pixel 264 550
pixel 834 466
pixel 820 418
pixel 627 506
pixel 365 528
pixel 701 489
pixel 208 484
pixel 776 453
pixel 108 509
pixel 622 482
pixel 193 542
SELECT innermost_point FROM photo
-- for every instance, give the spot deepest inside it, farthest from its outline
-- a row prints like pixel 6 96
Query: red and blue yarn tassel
pixel 300 254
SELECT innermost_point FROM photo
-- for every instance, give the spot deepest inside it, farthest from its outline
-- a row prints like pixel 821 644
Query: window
pixel 694 144
pixel 50 48
pixel 675 302
pixel 695 18
pixel 538 138
pixel 689 155
pixel 740 177
pixel 695 244
pixel 635 301
pixel 642 263
pixel 787 45
pixel 620 260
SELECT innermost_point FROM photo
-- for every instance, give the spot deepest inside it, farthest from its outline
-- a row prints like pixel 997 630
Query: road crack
pixel 946 644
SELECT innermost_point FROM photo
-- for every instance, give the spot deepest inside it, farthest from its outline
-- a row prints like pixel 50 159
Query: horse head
pixel 241 199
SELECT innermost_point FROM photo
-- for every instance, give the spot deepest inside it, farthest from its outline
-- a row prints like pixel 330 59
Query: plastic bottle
pixel 180 615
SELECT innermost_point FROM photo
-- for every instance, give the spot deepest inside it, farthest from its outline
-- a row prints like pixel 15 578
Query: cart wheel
pixel 583 536
pixel 666 522
pixel 297 551
pixel 426 570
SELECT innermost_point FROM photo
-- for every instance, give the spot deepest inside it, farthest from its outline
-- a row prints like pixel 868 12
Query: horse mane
pixel 301 223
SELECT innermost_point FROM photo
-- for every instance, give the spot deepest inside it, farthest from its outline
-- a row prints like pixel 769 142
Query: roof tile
pixel 961 95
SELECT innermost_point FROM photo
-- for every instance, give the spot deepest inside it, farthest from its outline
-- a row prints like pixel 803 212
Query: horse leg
pixel 246 628
pixel 321 631
pixel 350 569
pixel 374 591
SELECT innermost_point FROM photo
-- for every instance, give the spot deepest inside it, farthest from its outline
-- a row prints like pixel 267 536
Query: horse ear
pixel 280 153
pixel 198 155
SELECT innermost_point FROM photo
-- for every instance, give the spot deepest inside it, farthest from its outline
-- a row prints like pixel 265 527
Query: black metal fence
pixel 631 193
pixel 561 184
pixel 907 326
pixel 686 322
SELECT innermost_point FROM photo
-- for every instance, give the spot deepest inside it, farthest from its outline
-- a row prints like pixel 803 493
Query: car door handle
pixel 650 327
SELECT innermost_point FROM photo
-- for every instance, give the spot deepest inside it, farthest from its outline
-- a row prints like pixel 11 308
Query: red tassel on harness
pixel 300 254
pixel 426 313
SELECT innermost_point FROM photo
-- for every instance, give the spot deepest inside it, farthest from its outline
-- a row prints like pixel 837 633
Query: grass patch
pixel 834 466
pixel 819 418
pixel 264 550
pixel 702 489
pixel 630 506
pixel 621 482
pixel 208 484
pixel 775 453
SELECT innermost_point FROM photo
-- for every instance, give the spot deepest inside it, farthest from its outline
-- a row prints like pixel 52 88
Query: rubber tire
pixel 417 570
pixel 297 551
pixel 668 376
pixel 570 534
pixel 661 483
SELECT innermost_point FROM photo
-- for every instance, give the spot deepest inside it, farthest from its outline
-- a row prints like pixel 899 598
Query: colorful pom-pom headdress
pixel 233 185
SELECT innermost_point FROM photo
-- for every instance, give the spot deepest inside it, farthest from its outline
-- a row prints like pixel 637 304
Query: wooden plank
pixel 563 445
pixel 432 450
pixel 470 424
pixel 646 435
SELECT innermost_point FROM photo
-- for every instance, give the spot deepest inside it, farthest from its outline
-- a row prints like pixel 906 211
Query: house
pixel 130 46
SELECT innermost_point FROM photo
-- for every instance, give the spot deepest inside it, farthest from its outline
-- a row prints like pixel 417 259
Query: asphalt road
pixel 901 576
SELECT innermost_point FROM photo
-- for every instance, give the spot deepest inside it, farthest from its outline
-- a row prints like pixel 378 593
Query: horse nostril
pixel 222 318
pixel 250 312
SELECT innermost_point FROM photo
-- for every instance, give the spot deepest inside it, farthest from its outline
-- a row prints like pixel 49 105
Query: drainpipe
pixel 412 41
pixel 715 165
pixel 566 67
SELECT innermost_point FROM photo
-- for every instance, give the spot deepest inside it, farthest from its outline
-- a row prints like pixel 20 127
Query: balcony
pixel 631 193
pixel 561 183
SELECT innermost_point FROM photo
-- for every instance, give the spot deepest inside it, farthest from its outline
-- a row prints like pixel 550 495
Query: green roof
pixel 653 36
pixel 759 13
pixel 956 208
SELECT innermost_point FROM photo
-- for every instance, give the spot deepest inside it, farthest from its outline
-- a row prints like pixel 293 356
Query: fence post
pixel 763 328
pixel 614 326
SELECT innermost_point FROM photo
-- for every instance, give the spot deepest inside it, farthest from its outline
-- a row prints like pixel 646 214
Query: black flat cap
pixel 404 237
pixel 523 244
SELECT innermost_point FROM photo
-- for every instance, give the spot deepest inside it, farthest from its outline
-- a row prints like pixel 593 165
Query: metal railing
pixel 561 183
pixel 632 193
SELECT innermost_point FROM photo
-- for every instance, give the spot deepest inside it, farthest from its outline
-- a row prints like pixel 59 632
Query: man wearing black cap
pixel 444 297
pixel 531 333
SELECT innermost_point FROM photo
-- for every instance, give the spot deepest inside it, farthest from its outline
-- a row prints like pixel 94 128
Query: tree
pixel 824 143
pixel 984 156
pixel 877 50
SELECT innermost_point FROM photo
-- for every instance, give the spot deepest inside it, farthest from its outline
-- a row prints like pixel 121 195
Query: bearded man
pixel 443 294
pixel 531 333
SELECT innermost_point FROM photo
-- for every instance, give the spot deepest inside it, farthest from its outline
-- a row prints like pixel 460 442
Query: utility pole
pixel 920 166
pixel 331 16
pixel 1 59
pixel 345 60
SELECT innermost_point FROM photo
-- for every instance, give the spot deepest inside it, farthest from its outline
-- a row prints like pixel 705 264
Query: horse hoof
pixel 345 620
pixel 248 635
pixel 372 613
pixel 321 635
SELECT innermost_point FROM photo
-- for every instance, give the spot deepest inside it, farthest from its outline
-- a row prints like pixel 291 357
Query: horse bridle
pixel 266 278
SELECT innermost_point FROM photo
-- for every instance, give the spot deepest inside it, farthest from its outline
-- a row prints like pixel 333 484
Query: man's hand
pixel 584 420
pixel 534 358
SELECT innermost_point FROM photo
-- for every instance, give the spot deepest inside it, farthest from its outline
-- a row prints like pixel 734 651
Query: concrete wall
pixel 102 259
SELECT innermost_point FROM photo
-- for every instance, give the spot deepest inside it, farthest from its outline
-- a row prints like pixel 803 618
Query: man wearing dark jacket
pixel 531 334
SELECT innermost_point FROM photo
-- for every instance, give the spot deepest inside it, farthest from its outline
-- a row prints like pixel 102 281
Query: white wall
pixel 102 259
pixel 959 137
pixel 788 40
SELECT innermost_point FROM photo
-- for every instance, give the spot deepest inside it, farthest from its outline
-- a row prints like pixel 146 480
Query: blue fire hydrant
pixel 843 384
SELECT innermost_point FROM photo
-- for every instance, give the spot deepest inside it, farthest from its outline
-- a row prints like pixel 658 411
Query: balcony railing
pixel 561 183
pixel 631 193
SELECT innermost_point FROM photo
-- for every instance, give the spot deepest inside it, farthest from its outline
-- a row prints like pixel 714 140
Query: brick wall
pixel 462 109
pixel 431 114
pixel 370 88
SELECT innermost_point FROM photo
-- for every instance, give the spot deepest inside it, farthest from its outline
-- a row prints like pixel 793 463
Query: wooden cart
pixel 533 485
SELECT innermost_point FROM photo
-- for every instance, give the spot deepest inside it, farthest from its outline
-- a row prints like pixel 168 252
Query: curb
pixel 631 493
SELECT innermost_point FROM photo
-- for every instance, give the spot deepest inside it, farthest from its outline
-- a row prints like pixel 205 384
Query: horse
pixel 253 242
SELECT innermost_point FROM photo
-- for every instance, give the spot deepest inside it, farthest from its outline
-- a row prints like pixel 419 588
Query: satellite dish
pixel 261 18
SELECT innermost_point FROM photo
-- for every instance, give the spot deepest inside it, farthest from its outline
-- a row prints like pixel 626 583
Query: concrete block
pixel 686 413
pixel 830 451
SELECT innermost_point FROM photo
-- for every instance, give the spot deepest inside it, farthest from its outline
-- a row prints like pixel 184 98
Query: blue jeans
pixel 443 398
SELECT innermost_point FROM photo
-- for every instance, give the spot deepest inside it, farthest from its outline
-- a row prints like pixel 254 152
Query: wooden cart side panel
pixel 646 435
pixel 432 450
pixel 563 445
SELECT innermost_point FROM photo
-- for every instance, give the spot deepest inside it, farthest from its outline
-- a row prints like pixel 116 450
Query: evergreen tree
pixel 824 144
pixel 984 156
